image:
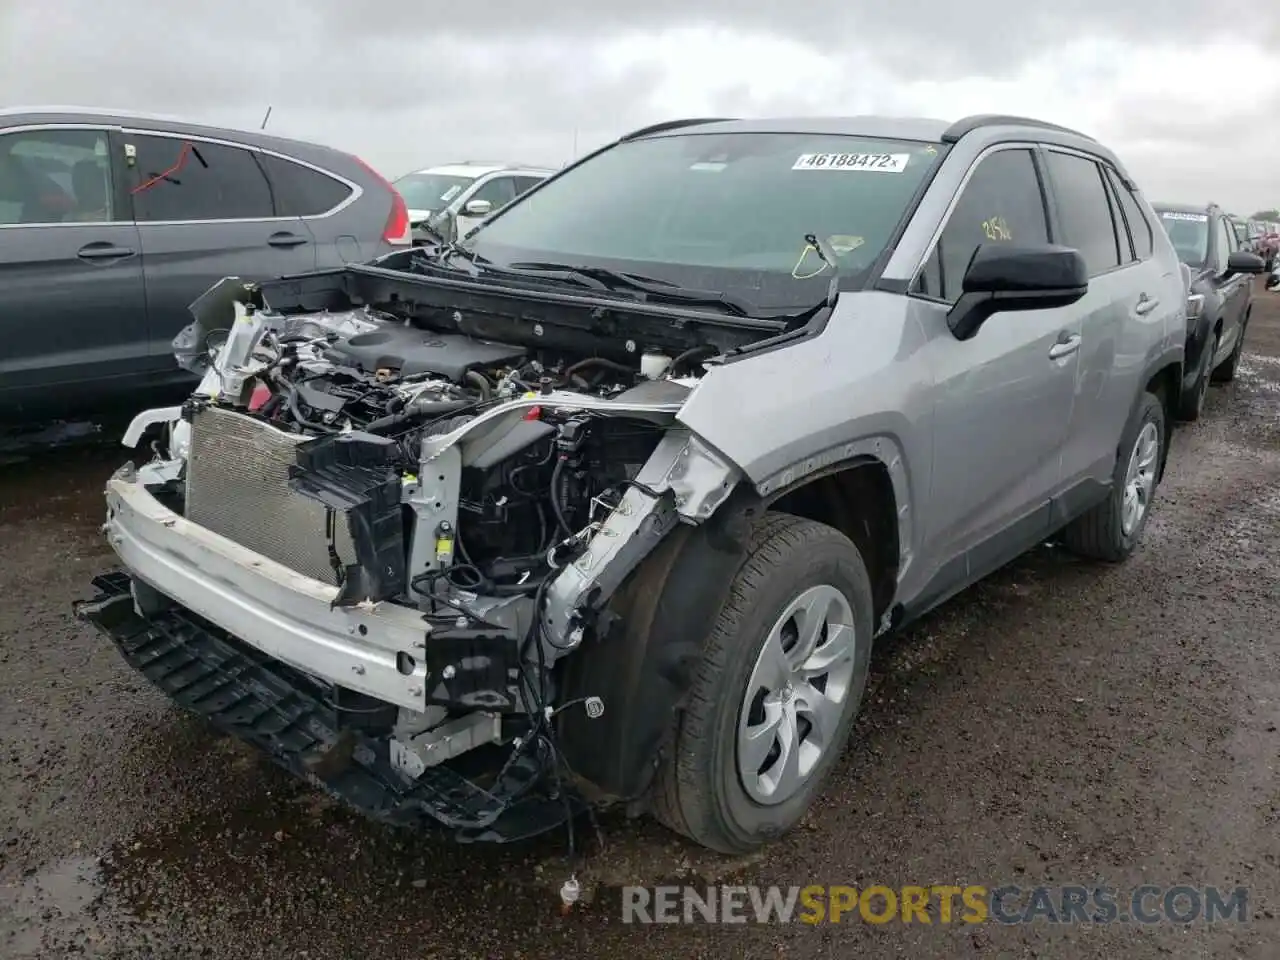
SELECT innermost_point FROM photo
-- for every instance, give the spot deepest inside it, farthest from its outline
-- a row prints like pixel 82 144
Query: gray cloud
pixel 406 83
pixel 934 38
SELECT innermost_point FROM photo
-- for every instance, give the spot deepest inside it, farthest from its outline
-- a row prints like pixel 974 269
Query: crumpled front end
pixel 372 561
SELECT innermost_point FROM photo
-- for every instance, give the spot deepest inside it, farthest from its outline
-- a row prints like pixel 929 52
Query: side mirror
pixel 1242 261
pixel 477 208
pixel 1004 277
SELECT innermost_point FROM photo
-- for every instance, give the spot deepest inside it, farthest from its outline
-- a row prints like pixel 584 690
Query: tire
pixel 1192 404
pixel 1226 371
pixel 699 791
pixel 1103 533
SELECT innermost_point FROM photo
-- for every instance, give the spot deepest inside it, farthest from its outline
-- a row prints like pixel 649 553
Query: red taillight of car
pixel 397 232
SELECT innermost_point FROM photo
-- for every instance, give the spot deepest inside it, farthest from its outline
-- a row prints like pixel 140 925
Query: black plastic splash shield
pixel 351 474
pixel 287 716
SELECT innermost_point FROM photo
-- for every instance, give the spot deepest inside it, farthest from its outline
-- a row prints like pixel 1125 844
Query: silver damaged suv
pixel 606 502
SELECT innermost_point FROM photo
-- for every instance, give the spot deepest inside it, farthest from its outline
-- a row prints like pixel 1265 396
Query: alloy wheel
pixel 1140 478
pixel 796 695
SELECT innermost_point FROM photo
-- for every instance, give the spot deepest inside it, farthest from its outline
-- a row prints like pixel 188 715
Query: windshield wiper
pixel 617 280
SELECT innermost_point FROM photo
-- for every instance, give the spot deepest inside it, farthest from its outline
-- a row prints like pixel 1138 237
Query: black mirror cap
pixel 1002 277
pixel 1003 268
pixel 1242 261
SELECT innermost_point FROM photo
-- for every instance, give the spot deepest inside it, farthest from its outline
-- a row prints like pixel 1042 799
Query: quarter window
pixel 525 184
pixel 1001 203
pixel 300 191
pixel 1139 225
pixel 55 176
pixel 1085 211
pixel 192 180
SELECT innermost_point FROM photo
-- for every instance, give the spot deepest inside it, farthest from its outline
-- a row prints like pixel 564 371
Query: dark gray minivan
pixel 112 224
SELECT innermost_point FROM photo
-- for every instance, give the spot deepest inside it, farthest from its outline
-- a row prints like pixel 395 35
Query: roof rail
pixel 503 164
pixel 672 125
pixel 977 121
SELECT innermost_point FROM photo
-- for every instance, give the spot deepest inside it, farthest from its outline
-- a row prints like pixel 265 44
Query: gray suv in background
pixel 111 225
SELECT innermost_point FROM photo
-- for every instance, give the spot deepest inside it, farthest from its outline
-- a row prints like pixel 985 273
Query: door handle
pixel 102 250
pixel 1065 347
pixel 286 240
pixel 1145 305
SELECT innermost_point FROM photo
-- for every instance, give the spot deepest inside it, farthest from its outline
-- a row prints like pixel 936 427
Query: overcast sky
pixel 1186 91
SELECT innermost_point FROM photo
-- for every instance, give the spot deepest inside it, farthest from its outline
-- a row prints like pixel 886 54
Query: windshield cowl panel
pixel 728 212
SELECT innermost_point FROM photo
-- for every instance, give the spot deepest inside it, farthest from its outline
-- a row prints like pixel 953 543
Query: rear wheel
pixel 1111 530
pixel 776 692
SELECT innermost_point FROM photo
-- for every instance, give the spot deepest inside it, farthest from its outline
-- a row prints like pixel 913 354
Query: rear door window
pixel 191 180
pixel 55 176
pixel 1002 203
pixel 1085 211
pixel 301 191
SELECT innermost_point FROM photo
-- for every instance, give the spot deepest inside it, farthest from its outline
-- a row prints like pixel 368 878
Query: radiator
pixel 238 486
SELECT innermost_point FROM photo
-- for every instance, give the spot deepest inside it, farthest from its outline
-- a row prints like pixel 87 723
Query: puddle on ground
pixel 56 905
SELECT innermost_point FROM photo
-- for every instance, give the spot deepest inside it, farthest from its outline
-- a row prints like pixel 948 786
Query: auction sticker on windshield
pixel 1193 217
pixel 873 162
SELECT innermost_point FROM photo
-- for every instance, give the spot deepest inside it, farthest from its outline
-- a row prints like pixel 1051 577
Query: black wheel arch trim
pixel 643 667
pixel 1172 357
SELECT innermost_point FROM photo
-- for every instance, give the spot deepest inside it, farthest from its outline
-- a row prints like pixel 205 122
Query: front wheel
pixel 1226 372
pixel 1111 530
pixel 776 692
pixel 1192 404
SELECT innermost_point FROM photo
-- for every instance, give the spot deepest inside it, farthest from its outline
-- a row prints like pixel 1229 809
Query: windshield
pixel 430 191
pixel 724 212
pixel 1189 233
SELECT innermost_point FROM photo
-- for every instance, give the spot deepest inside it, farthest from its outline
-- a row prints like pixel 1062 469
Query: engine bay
pixel 531 488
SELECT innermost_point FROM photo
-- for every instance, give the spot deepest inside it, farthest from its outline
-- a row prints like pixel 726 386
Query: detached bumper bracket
pixel 288 716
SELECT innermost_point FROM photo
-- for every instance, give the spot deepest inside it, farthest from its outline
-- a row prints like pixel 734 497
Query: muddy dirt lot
pixel 1061 724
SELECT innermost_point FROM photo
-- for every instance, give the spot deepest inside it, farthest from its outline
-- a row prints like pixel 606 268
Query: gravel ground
pixel 1061 723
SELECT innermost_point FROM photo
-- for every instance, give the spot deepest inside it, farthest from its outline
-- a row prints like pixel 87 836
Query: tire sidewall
pixel 1149 410
pixel 1227 371
pixel 1206 374
pixel 829 564
pixel 1239 347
